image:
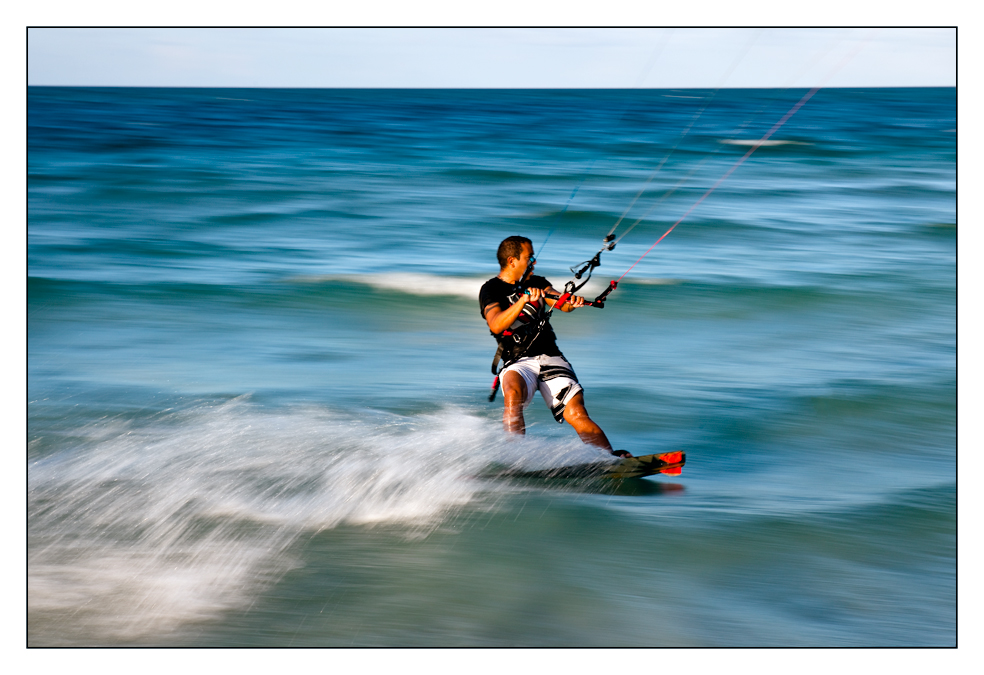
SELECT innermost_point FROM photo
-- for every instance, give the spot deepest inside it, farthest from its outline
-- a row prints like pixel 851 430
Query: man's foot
pixel 621 453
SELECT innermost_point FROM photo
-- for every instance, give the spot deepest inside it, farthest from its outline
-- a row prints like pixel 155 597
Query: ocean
pixel 258 378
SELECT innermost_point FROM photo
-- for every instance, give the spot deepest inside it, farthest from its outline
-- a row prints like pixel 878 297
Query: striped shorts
pixel 552 376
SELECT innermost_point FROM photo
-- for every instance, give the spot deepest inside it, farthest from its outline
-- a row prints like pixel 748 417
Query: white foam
pixel 466 287
pixel 767 143
pixel 140 529
pixel 411 283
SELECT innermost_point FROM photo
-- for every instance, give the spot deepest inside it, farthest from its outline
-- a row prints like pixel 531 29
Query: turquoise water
pixel 258 377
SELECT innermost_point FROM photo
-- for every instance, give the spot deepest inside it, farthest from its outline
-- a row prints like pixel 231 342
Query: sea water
pixel 258 375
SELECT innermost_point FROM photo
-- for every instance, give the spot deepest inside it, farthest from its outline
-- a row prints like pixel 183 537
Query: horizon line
pixel 227 86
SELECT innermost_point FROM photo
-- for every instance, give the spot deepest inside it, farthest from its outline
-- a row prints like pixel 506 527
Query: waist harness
pixel 517 339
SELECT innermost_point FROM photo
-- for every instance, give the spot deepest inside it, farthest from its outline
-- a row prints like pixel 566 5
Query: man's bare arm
pixel 500 319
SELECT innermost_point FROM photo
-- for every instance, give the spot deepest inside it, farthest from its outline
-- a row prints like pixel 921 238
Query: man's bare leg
pixel 513 394
pixel 586 428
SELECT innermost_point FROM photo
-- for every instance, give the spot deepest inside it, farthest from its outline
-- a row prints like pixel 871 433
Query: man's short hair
pixel 511 247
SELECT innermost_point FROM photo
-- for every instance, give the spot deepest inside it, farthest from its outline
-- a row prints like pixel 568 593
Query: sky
pixel 492 57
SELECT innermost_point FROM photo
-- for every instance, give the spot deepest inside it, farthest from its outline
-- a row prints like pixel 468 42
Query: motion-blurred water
pixel 257 371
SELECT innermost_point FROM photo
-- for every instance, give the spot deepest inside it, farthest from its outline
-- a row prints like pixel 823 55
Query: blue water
pixel 257 373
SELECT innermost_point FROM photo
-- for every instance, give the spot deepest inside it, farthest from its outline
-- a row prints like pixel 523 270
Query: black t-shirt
pixel 496 290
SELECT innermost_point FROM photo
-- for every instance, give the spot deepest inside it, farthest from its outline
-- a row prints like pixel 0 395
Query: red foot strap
pixel 672 458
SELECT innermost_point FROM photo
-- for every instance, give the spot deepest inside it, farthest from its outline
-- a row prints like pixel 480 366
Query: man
pixel 515 304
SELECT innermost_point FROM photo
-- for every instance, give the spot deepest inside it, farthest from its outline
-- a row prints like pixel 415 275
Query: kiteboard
pixel 669 463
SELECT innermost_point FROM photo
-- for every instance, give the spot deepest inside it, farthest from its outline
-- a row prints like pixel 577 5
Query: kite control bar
pixel 598 302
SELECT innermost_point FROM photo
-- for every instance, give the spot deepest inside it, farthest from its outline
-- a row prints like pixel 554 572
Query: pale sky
pixel 492 57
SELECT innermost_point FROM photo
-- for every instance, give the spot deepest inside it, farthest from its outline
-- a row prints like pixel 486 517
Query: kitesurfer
pixel 515 304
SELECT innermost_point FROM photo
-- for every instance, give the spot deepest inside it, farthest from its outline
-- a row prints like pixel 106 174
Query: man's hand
pixel 554 295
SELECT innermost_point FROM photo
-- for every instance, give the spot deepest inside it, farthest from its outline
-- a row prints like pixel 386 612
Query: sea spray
pixel 138 528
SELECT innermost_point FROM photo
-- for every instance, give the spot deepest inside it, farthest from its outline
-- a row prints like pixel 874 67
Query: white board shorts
pixel 552 376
